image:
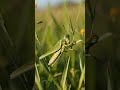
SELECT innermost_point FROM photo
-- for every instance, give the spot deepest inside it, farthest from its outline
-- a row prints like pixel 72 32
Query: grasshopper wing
pixel 54 49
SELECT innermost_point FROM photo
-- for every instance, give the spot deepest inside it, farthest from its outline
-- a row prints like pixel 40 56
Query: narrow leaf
pixel 22 69
pixel 82 77
pixel 64 76
pixel 37 79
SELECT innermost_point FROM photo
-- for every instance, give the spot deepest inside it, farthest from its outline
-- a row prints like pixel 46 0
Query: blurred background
pixel 42 4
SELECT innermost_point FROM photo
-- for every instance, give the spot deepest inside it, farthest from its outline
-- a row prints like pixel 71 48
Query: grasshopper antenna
pixel 72 28
pixel 64 29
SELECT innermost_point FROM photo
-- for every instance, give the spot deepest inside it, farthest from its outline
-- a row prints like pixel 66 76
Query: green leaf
pixel 64 76
pixel 37 79
pixel 69 87
pixel 82 77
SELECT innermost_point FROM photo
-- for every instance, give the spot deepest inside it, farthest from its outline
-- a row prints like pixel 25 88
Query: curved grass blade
pixel 37 83
pixel 5 30
pixel 104 36
pixel 37 79
pixel 64 76
pixel 22 69
pixel 69 87
pixel 54 49
pixel 82 77
pixel 81 67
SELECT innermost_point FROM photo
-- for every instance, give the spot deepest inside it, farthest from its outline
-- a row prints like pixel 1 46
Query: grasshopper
pixel 62 46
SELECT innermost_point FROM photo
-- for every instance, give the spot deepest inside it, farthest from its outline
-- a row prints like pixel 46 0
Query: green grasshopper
pixel 62 46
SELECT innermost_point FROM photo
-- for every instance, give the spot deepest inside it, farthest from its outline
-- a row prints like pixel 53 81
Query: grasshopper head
pixel 67 38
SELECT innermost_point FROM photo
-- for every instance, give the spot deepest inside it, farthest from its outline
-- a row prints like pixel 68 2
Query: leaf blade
pixel 64 76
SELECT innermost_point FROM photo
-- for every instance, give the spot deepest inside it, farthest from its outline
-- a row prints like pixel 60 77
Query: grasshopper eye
pixel 67 36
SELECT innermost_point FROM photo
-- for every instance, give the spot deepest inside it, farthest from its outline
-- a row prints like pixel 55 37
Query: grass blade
pixel 82 77
pixel 37 79
pixel 64 76
pixel 22 69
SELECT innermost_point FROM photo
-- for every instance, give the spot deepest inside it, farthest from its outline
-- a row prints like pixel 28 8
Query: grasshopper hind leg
pixel 54 58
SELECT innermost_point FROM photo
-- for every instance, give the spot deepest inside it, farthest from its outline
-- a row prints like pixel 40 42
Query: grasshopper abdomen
pixel 54 58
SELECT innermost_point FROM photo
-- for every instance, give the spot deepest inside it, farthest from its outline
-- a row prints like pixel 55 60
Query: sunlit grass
pixel 68 72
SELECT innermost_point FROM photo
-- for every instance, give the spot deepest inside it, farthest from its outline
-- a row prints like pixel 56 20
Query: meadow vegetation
pixel 69 70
